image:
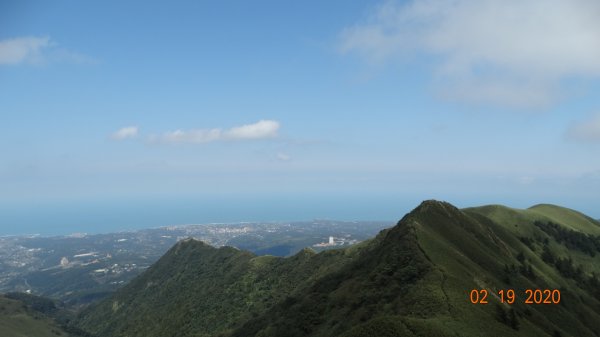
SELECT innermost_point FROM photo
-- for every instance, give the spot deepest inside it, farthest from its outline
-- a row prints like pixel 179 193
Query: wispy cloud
pixel 37 50
pixel 487 51
pixel 22 49
pixel 586 131
pixel 125 133
pixel 283 157
pixel 263 129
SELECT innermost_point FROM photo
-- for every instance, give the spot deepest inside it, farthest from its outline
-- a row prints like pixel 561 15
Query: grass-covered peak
pixel 412 279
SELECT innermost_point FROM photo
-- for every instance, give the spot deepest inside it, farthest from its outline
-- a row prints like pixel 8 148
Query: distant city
pixel 96 265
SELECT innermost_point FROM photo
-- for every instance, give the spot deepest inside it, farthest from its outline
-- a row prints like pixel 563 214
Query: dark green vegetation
pixel 411 280
pixel 239 285
pixel 82 269
pixel 46 310
pixel 19 319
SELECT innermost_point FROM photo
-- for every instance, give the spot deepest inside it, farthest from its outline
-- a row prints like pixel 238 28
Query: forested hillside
pixel 418 278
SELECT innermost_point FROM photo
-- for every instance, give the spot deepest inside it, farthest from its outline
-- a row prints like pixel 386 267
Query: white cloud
pixel 192 136
pixel 586 131
pixel 126 132
pixel 260 130
pixel 283 157
pixel 23 49
pixel 513 52
pixel 37 50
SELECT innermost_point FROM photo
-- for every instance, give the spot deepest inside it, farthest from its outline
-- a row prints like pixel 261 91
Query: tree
pixel 547 255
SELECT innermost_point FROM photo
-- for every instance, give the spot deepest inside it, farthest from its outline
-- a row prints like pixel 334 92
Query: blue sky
pixel 125 115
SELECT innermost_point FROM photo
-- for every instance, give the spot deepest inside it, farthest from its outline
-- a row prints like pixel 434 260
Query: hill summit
pixel 414 279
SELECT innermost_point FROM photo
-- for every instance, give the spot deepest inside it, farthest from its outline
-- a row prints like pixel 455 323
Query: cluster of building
pixel 336 242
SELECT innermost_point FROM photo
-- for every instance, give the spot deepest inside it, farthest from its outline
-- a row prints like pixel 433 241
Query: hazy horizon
pixel 115 216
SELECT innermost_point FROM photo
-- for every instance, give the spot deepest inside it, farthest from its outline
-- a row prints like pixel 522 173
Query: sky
pixel 119 115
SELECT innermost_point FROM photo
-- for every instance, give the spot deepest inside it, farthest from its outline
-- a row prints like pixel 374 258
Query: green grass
pixel 513 217
pixel 568 218
pixel 16 320
pixel 411 280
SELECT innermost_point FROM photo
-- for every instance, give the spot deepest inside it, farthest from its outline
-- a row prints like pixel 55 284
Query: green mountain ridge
pixel 568 217
pixel 413 279
pixel 240 284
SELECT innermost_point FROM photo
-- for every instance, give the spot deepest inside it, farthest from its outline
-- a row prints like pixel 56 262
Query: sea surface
pixel 62 218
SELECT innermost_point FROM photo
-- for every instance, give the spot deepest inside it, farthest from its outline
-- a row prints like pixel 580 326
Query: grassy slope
pixel 384 279
pixel 519 222
pixel 416 279
pixel 543 212
pixel 567 217
pixel 578 314
pixel 18 321
pixel 411 280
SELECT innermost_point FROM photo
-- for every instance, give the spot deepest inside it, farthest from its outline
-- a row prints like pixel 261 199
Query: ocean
pixel 62 218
